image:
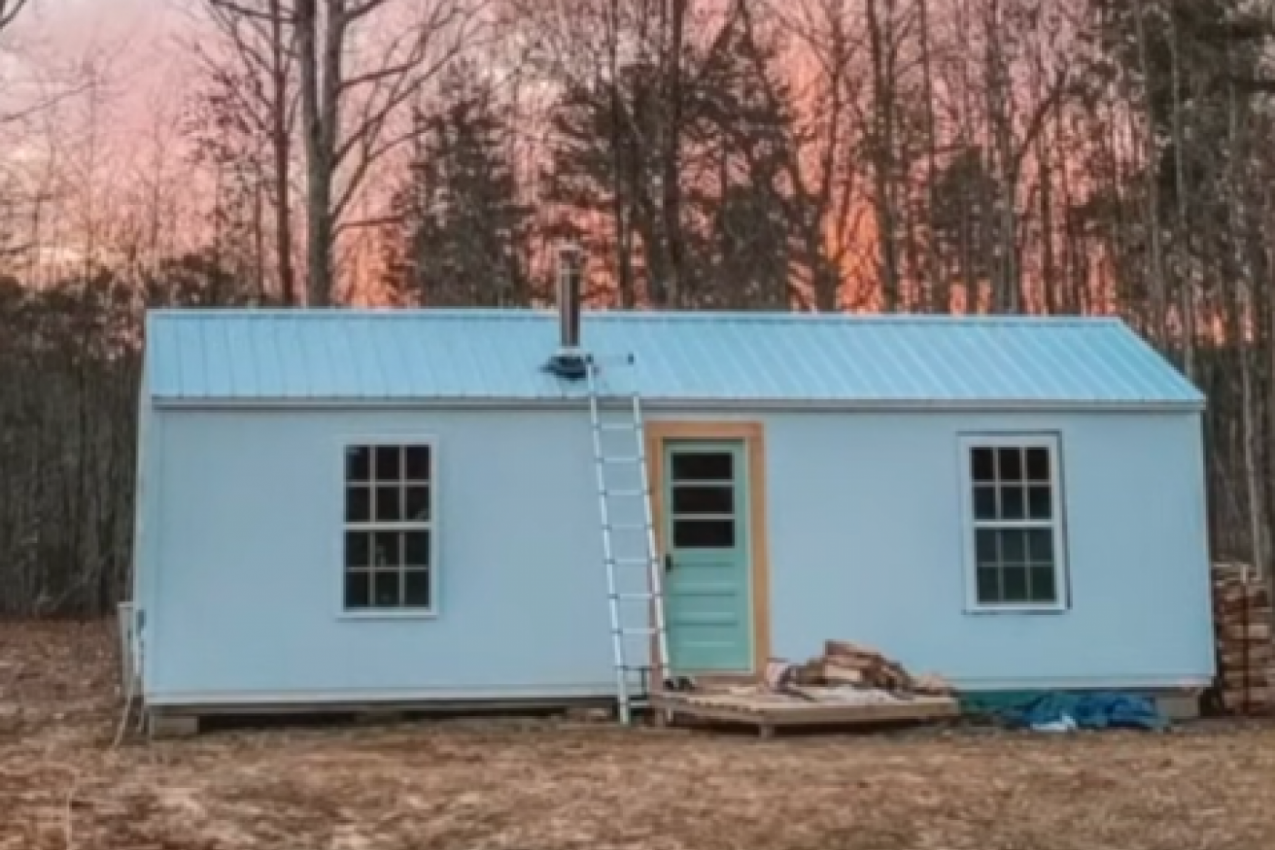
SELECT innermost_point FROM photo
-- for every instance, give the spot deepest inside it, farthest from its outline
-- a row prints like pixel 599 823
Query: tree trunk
pixel 320 81
pixel 281 147
pixel 881 36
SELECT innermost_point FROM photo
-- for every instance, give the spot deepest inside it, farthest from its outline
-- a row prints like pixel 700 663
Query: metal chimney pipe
pixel 569 285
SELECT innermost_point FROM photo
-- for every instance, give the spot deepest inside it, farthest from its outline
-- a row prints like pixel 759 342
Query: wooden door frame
pixel 753 436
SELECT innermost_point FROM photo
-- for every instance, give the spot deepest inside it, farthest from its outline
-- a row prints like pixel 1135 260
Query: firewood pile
pixel 1242 616
pixel 849 664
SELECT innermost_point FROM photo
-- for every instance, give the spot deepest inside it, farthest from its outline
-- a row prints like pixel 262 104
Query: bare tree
pixel 824 187
pixel 260 42
pixel 351 119
pixel 359 65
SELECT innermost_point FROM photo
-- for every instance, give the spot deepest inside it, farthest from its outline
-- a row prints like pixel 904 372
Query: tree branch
pixel 9 10
pixel 240 9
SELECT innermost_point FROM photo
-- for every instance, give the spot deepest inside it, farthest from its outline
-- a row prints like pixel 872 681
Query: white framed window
pixel 390 545
pixel 1016 556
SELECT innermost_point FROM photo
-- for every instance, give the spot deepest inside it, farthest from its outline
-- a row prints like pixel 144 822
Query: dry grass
pixel 546 785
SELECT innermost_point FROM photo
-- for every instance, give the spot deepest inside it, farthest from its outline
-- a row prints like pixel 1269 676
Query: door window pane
pixel 703 466
pixel 703 534
pixel 708 499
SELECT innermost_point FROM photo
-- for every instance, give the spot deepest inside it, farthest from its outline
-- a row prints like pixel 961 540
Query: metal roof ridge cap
pixel 766 316
pixel 609 314
pixel 772 403
pixel 308 313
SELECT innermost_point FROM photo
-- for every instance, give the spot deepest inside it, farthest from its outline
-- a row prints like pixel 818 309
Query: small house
pixel 359 507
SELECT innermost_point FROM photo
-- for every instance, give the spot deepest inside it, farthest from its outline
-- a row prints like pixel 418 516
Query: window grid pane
pixel 388 515
pixel 1015 566
pixel 1014 523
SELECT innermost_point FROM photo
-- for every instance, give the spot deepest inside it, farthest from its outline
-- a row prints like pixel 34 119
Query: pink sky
pixel 140 40
pixel 90 150
pixel 76 23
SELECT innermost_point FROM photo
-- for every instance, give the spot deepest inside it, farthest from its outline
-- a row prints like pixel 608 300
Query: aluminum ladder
pixel 628 543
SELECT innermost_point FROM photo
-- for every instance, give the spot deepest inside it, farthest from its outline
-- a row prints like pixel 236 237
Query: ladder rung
pixel 645 630
pixel 625 459
pixel 627 527
pixel 611 426
pixel 625 494
pixel 635 596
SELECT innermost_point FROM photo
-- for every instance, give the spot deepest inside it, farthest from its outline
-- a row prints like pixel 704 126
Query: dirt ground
pixel 529 784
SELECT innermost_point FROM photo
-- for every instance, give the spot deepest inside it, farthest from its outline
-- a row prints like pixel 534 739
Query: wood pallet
pixel 769 712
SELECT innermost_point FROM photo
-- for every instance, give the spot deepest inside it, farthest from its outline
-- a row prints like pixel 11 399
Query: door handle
pixel 668 563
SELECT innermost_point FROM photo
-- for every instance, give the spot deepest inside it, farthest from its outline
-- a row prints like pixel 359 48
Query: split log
pixel 847 664
pixel 1243 617
pixel 835 674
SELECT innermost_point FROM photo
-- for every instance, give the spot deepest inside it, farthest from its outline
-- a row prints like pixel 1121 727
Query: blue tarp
pixel 1086 711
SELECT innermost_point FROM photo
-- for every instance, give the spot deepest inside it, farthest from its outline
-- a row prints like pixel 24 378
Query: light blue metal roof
pixel 331 356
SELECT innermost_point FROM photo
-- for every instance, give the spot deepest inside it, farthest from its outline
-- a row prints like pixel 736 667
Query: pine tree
pixel 963 222
pixel 748 119
pixel 721 238
pixel 461 233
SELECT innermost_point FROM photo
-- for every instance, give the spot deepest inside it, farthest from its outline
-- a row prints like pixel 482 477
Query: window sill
pixel 985 610
pixel 412 614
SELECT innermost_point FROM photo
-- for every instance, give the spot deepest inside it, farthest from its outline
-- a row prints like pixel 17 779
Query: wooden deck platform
pixel 768 712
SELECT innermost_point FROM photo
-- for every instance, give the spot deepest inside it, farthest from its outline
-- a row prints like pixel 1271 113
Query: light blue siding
pixel 347 355
pixel 247 603
pixel 865 541
pixel 147 518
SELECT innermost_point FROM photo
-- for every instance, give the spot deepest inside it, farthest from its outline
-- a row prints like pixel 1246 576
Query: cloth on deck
pixel 1064 711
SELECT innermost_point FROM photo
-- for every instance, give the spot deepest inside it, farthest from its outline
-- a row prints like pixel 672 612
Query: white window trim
pixel 1051 442
pixel 435 582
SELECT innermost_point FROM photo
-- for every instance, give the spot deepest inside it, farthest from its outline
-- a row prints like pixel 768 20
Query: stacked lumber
pixel 1242 618
pixel 849 664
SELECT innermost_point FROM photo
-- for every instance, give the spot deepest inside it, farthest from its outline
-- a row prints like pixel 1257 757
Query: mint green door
pixel 707 599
